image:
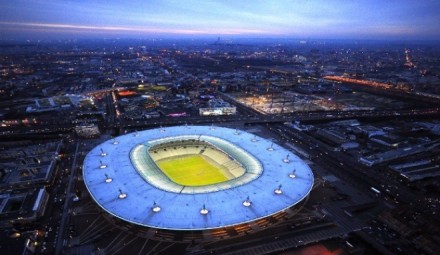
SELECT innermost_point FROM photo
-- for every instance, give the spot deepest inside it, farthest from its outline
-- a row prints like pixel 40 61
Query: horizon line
pixel 20 30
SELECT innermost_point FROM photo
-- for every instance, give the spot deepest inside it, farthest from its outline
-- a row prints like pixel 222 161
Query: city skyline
pixel 197 144
pixel 383 20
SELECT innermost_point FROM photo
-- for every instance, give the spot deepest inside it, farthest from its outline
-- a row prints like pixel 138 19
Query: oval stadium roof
pixel 118 188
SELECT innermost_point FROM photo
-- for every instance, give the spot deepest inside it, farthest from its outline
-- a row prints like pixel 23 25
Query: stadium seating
pixel 238 165
pixel 233 168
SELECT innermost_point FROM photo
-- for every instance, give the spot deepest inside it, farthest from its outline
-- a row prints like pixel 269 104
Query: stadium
pixel 195 183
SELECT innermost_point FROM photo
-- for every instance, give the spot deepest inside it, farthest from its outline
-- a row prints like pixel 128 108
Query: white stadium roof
pixel 122 190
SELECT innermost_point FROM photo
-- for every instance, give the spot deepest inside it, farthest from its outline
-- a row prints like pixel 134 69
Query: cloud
pixel 320 18
pixel 67 27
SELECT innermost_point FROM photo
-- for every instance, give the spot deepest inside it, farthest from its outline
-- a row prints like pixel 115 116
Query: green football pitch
pixel 192 170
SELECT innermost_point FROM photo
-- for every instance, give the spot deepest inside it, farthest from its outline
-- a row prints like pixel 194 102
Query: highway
pixel 247 116
pixel 322 154
pixel 339 163
pixel 382 88
pixel 61 240
pixel 280 118
pixel 345 166
pixel 110 109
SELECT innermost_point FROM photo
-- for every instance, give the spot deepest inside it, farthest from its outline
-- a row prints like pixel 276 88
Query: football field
pixel 192 170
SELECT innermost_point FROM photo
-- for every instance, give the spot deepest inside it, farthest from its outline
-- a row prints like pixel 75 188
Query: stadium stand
pixel 238 165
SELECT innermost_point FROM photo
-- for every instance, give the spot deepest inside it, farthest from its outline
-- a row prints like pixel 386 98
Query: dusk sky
pixel 329 19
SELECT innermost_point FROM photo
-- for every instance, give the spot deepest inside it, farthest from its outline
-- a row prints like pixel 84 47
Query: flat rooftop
pixel 182 211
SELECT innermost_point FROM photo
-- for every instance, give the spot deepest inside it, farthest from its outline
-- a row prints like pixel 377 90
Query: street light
pixel 292 174
pixel 247 202
pixel 278 191
pixel 204 211
pixel 271 148
pixel 156 208
pixel 122 195
pixel 286 159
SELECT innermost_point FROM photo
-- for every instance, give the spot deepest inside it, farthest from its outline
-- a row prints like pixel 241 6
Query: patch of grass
pixel 191 170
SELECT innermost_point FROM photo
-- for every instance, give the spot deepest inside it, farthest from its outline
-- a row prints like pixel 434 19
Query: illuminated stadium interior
pixel 228 169
pixel 262 182
pixel 195 163
pixel 194 170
